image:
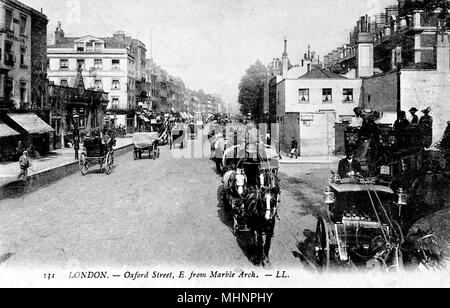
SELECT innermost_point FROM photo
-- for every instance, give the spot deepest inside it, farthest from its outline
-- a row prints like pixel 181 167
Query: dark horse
pixel 262 212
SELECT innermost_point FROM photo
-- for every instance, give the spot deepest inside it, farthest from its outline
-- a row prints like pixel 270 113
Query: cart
pixel 146 142
pixel 95 152
pixel 178 136
pixel 357 229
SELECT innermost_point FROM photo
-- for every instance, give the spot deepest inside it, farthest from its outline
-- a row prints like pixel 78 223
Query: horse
pixel 235 191
pixel 262 212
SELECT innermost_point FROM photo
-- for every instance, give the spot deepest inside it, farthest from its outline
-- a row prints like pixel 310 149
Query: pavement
pixel 333 160
pixel 54 160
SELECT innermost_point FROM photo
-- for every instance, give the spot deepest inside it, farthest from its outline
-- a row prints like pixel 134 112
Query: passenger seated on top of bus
pixel 357 120
pixel 349 166
pixel 401 122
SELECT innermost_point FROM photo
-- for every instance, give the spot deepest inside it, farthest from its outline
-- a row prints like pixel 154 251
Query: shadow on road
pixel 243 239
pixel 306 251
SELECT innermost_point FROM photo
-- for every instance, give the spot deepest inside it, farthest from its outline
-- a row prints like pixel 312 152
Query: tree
pixel 429 7
pixel 251 90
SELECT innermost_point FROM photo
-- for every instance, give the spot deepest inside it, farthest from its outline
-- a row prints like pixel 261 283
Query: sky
pixel 211 43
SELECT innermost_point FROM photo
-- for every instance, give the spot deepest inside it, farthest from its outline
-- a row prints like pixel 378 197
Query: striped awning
pixel 6 131
pixel 31 123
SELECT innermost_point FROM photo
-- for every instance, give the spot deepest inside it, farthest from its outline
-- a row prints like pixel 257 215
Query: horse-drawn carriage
pixel 251 193
pixel 146 142
pixel 368 220
pixel 95 151
pixel 178 136
pixel 358 227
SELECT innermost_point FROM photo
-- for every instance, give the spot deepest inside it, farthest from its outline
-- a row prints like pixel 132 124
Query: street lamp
pixel 76 135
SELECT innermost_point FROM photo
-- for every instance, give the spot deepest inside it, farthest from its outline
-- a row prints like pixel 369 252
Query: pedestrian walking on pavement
pixel 24 164
pixel 294 148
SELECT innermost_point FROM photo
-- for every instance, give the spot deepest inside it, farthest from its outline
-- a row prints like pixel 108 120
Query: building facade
pixel 24 106
pixel 114 64
pixel 403 57
pixel 23 37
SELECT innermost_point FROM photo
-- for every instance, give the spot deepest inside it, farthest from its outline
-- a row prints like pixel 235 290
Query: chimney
pixel 119 36
pixel 364 55
pixel 59 33
pixel 285 60
pixel 442 52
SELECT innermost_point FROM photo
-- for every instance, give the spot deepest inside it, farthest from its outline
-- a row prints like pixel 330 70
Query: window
pixel 348 95
pixel 64 83
pixel 115 85
pixel 9 54
pixel 303 95
pixel 23 52
pixel 23 24
pixel 80 48
pixel 98 85
pixel 80 63
pixel 327 96
pixel 98 63
pixel 115 103
pixel 89 46
pixel 64 64
pixel 116 64
pixel 9 20
pixel 23 92
pixel 9 88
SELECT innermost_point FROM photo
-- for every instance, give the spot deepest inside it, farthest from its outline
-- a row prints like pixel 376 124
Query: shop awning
pixel 31 123
pixel 6 131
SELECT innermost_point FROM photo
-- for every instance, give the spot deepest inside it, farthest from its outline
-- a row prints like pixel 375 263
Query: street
pixel 163 212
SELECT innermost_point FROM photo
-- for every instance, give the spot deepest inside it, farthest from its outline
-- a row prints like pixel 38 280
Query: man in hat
pixel 294 148
pixel 24 164
pixel 414 117
pixel 426 127
pixel 349 166
pixel 401 122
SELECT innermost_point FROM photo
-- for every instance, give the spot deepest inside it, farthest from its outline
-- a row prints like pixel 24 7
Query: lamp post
pixel 76 135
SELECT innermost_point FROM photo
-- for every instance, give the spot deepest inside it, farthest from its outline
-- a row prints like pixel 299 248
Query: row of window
pixel 10 57
pixel 9 21
pixel 9 89
pixel 327 95
pixel 98 64
pixel 98 84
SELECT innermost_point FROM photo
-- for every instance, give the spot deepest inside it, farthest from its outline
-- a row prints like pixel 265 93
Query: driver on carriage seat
pixel 349 166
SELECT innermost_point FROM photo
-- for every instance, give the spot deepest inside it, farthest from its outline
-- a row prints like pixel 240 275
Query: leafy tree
pixel 251 91
pixel 429 7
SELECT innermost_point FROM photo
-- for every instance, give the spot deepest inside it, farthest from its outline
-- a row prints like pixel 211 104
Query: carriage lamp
pixel 402 197
pixel 329 196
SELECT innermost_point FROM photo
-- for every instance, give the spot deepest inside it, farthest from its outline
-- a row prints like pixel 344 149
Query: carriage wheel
pixel 83 165
pixel 135 154
pixel 322 245
pixel 108 164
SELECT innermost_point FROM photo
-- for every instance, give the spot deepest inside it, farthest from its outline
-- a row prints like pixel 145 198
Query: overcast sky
pixel 210 43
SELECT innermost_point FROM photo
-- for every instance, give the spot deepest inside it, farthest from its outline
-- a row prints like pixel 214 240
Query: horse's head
pixel 239 182
pixel 270 191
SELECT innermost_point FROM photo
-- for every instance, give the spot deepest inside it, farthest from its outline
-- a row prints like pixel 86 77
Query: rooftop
pixel 319 73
